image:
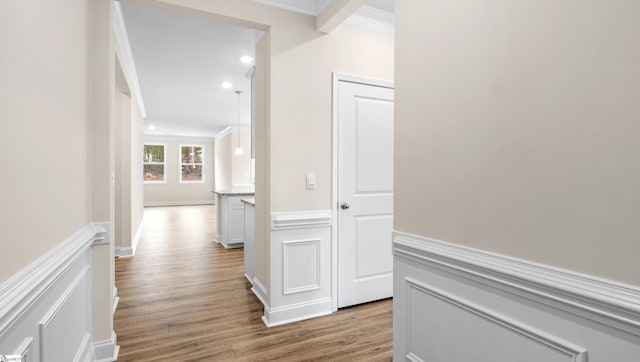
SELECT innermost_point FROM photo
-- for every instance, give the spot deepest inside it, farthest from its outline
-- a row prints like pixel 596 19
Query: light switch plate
pixel 311 181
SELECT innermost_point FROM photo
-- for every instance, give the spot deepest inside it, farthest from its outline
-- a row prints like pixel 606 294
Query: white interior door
pixel 365 193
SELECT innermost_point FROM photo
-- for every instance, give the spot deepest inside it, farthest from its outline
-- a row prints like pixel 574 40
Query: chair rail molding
pixel 606 302
pixel 294 220
pixel 51 298
pixel 436 281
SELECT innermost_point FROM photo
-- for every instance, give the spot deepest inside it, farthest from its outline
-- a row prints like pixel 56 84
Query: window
pixel 191 163
pixel 154 163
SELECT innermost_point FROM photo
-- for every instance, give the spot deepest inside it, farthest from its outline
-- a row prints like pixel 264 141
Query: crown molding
pixel 123 49
pixel 367 17
pixel 222 133
pixel 309 7
pixel 372 19
pixel 160 138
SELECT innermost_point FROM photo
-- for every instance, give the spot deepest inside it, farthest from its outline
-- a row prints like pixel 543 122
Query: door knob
pixel 344 206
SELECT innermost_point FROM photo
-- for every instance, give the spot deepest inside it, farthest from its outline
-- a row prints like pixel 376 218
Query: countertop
pixel 235 192
pixel 251 202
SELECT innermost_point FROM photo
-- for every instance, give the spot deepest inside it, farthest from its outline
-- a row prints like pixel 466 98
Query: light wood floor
pixel 184 298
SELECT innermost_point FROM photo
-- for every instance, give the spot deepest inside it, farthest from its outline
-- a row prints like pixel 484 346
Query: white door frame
pixel 340 77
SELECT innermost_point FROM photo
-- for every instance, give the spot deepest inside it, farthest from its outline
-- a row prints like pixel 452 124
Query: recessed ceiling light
pixel 227 85
pixel 152 127
pixel 246 59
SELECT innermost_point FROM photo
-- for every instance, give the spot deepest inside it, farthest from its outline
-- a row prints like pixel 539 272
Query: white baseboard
pixel 179 203
pixel 107 350
pixel 137 236
pixel 51 298
pixel 123 251
pixel 296 312
pixel 231 246
pixel 129 251
pixel 466 302
pixel 85 352
pixel 260 291
pixel 248 279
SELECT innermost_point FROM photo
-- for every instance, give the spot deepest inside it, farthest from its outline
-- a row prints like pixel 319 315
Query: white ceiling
pixel 182 60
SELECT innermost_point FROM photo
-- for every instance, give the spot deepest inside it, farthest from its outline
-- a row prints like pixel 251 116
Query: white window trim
pixel 180 164
pixel 164 169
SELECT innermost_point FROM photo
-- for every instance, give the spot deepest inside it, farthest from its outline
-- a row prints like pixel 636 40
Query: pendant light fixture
pixel 239 151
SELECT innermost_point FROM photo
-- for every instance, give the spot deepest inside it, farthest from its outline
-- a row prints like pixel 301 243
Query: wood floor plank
pixel 185 298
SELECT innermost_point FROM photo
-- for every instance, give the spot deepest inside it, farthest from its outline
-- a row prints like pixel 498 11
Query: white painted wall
pixel 232 170
pixel 222 162
pixel 241 165
pixel 122 224
pixel 173 190
pixel 43 110
pixel 101 95
pixel 516 126
pixel 126 79
pixel 516 129
pixel 301 65
pixel 129 156
pixel 263 184
pixel 137 188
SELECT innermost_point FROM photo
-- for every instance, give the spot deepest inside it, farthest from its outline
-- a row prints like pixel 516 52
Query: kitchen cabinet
pixel 230 216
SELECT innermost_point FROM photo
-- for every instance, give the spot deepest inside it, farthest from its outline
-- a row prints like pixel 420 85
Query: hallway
pixel 184 298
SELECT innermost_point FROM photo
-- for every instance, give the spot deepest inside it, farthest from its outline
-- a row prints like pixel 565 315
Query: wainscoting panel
pixel 300 265
pixel 236 229
pixel 66 320
pixel 45 310
pixel 300 257
pixel 453 303
pixel 505 340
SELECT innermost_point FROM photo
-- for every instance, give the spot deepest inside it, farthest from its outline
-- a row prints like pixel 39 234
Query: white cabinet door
pixel 365 193
pixel 230 221
pixel 236 222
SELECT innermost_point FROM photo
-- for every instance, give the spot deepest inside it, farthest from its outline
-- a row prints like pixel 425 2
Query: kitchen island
pixel 230 216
